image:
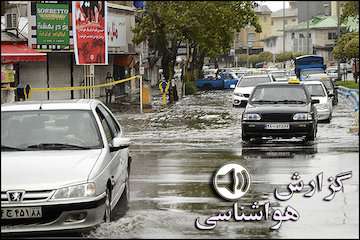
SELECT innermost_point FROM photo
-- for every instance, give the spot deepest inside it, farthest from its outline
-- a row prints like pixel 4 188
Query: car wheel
pixel 245 138
pixel 107 214
pixel 311 136
pixel 125 197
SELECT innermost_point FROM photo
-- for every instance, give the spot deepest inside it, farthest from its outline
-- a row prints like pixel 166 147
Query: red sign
pixel 89 31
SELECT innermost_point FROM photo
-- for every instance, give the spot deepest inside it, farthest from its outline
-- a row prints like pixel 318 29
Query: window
pixel 301 35
pixel 292 35
pixel 285 21
pixel 309 35
pixel 115 129
pixel 331 35
pixel 294 19
pixel 105 124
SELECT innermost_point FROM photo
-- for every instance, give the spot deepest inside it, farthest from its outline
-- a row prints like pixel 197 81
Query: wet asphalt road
pixel 177 150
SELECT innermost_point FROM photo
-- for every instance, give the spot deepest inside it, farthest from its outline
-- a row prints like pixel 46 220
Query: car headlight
pixel 239 94
pixel 76 191
pixel 302 116
pixel 251 116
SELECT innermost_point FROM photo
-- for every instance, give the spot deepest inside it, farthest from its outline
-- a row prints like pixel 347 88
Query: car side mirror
pixel 119 143
pixel 331 95
pixel 315 101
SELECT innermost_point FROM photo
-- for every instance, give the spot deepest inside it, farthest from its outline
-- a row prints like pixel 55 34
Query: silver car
pixel 64 165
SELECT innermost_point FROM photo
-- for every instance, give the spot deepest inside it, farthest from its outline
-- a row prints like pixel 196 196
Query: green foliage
pixel 208 27
pixel 351 49
pixel 242 58
pixel 347 47
pixel 283 57
pixel 350 9
pixel 348 84
pixel 265 57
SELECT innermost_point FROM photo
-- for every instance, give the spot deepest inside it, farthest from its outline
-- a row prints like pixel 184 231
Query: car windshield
pixel 315 90
pixel 279 94
pixel 49 129
pixel 252 81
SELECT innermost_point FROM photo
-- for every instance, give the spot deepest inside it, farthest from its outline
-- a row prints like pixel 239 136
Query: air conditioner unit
pixel 11 20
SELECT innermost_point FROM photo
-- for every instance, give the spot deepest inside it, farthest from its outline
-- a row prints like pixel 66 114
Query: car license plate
pixel 24 212
pixel 277 126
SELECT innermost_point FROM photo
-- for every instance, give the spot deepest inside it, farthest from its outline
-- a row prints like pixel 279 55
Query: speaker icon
pixel 238 185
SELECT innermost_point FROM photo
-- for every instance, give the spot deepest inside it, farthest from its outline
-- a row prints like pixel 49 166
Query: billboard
pixel 52 24
pixel 116 30
pixel 89 31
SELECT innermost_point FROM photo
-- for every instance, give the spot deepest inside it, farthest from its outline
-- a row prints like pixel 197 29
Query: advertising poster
pixel 89 31
pixel 52 24
pixel 116 30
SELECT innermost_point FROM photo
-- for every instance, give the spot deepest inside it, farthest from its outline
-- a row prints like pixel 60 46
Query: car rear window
pixel 253 81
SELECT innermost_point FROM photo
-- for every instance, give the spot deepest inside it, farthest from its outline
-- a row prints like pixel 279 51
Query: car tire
pixel 245 138
pixel 329 119
pixel 125 197
pixel 311 136
pixel 108 211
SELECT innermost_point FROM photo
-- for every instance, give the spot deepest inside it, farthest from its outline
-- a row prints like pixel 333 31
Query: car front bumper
pixel 297 129
pixel 55 216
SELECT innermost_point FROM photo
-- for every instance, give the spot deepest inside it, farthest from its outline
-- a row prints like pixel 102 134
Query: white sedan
pixel 318 91
pixel 246 85
pixel 64 165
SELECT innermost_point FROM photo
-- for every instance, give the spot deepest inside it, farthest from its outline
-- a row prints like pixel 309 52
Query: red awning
pixel 11 53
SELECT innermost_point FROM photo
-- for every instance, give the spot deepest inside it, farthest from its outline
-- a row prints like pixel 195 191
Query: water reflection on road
pixel 176 151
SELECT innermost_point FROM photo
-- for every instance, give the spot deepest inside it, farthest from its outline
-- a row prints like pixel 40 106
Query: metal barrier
pixel 352 95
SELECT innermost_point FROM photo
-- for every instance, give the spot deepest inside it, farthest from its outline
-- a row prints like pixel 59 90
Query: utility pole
pixel 338 36
pixel 307 28
pixel 284 30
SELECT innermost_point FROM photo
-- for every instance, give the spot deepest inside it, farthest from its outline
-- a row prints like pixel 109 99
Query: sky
pixel 274 5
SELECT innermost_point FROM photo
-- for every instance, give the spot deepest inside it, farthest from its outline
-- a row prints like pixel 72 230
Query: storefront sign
pixel 52 24
pixel 89 31
pixel 116 30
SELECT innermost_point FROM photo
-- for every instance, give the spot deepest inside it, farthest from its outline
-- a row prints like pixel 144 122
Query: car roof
pixel 256 75
pixel 279 84
pixel 313 82
pixel 74 104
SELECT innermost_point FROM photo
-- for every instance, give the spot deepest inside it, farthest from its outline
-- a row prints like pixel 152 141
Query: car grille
pixel 247 95
pixel 31 196
pixel 277 117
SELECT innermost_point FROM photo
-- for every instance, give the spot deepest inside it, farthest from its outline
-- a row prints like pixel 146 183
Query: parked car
pixel 245 86
pixel 318 91
pixel 224 80
pixel 64 165
pixel 280 110
pixel 329 85
pixel 332 72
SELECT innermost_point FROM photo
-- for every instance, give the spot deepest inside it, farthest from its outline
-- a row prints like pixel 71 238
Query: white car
pixel 318 91
pixel 332 73
pixel 64 165
pixel 245 86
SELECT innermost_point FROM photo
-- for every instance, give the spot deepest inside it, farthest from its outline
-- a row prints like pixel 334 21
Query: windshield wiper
pixel 264 101
pixel 292 101
pixel 56 146
pixel 11 148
